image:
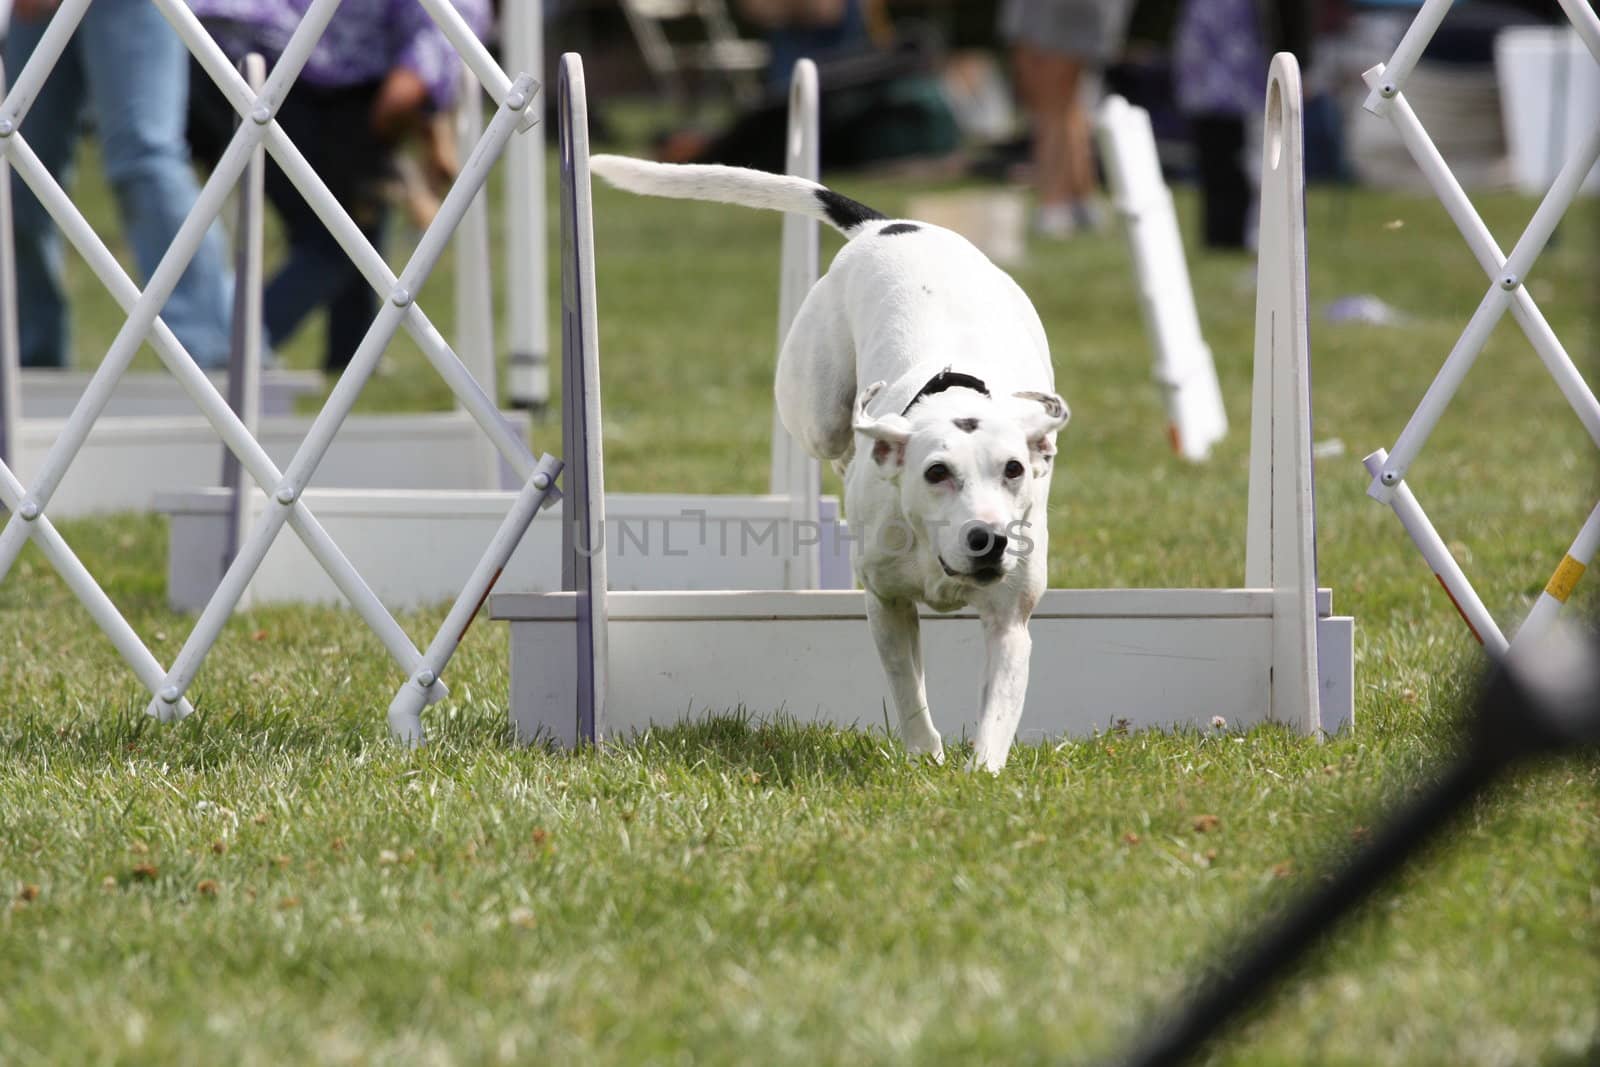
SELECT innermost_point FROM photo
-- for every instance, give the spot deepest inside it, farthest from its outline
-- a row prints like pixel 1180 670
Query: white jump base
pixel 418 548
pixel 52 394
pixel 1164 658
pixel 126 462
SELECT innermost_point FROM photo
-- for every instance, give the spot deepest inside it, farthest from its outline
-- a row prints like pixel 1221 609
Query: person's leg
pixel 1224 185
pixel 353 307
pixel 51 129
pixel 137 71
pixel 1047 82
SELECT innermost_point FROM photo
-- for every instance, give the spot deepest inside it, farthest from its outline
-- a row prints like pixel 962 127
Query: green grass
pixel 272 881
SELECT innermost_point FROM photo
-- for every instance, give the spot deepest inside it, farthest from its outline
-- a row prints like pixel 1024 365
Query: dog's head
pixel 965 465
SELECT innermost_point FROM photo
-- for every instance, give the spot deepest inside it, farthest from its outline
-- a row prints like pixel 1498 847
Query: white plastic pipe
pixel 526 296
pixel 1487 252
pixel 1556 591
pixel 797 475
pixel 10 345
pixel 348 235
pixel 211 404
pixel 244 361
pixel 1406 54
pixel 1441 562
pixel 1184 369
pixel 1586 22
pixel 162 280
pixel 405 711
pixel 1545 219
pixel 474 290
pixel 341 400
pixel 46 54
pixel 105 614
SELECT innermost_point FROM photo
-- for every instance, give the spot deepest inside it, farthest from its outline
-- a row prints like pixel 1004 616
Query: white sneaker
pixel 1055 221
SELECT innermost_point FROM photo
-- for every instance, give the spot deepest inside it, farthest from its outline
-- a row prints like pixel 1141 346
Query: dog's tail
pixel 735 185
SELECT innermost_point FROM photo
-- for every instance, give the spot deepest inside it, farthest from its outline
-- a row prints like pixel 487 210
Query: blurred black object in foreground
pixel 1544 699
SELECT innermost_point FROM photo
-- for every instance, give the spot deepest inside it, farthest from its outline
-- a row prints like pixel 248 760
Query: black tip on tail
pixel 844 212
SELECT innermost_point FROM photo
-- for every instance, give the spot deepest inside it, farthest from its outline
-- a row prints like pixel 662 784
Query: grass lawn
pixel 271 881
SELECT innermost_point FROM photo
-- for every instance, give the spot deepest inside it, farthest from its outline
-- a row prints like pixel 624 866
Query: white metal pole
pixel 1441 562
pixel 1487 252
pixel 526 296
pixel 342 399
pixel 797 475
pixel 1562 582
pixel 10 345
pixel 405 711
pixel 474 290
pixel 211 404
pixel 244 361
pixel 366 258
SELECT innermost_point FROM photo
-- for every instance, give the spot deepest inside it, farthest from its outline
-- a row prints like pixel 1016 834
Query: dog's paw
pixel 993 762
pixel 922 741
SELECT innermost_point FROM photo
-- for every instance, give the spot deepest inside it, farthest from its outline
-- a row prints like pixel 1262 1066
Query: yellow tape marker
pixel 1565 578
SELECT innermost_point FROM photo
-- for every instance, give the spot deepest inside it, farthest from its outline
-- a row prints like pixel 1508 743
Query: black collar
pixel 947 379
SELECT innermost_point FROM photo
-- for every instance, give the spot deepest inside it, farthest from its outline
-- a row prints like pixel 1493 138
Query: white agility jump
pixel 1184 369
pixel 593 663
pixel 1506 292
pixel 30 504
pixel 147 439
pixel 416 547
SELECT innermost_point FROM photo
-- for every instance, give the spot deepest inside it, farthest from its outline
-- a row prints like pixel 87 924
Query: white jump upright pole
pixel 1184 368
pixel 583 552
pixel 244 357
pixel 527 305
pixel 10 343
pixel 797 475
pixel 473 282
pixel 1280 527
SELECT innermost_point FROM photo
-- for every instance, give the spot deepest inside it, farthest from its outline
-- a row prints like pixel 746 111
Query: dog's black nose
pixel 985 545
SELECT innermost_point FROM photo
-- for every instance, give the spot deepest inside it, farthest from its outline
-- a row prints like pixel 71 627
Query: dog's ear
pixel 1040 415
pixel 889 433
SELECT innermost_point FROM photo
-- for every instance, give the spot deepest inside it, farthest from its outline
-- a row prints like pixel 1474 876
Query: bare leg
pixel 897 632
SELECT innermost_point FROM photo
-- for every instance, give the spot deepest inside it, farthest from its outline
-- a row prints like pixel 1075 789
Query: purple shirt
pixel 363 41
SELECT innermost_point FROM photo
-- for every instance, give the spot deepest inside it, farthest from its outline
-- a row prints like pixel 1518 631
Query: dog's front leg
pixel 1005 686
pixel 897 632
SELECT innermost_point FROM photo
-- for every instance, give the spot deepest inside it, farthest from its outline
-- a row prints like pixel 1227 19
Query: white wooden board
pixel 1152 657
pixel 127 461
pixel 418 547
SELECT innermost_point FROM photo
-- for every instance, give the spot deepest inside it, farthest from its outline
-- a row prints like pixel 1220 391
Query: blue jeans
pixel 128 66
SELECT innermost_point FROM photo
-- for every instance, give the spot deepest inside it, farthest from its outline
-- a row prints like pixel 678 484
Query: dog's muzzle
pixel 985 550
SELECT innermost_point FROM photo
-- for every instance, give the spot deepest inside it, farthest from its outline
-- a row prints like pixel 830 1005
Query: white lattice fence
pixel 28 504
pixel 1506 292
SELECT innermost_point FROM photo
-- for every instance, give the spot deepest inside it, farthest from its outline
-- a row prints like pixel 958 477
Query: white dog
pixel 946 488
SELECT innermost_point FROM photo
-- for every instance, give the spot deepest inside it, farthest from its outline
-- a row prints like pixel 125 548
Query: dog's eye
pixel 936 473
pixel 1013 469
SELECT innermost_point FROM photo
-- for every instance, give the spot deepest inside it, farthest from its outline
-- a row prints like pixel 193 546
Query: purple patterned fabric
pixel 365 39
pixel 1220 63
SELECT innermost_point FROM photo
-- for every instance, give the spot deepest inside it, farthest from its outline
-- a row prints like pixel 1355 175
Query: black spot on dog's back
pixel 897 228
pixel 968 425
pixel 844 212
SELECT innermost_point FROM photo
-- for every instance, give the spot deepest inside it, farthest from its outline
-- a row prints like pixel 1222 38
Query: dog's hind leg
pixel 897 632
pixel 815 386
